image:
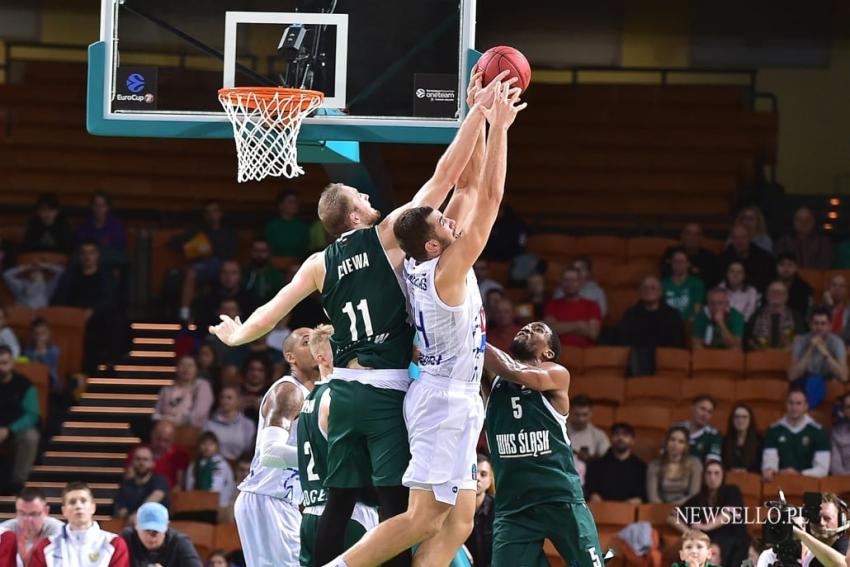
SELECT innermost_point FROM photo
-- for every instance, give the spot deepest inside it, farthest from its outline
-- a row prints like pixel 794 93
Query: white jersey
pixel 282 484
pixel 451 339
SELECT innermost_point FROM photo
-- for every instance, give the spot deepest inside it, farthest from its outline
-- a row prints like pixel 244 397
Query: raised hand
pixel 505 106
pixel 474 86
pixel 484 96
pixel 226 330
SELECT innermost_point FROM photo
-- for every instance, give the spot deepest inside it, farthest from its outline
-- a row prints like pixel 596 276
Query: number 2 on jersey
pixel 363 307
pixel 311 466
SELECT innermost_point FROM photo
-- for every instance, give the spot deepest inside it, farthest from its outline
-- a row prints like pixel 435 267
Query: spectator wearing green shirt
pixel 287 234
pixel 19 416
pixel 705 441
pixel 718 325
pixel 261 277
pixel 683 291
pixel 796 444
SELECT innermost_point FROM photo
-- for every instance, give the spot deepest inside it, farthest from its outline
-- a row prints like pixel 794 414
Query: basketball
pixel 504 58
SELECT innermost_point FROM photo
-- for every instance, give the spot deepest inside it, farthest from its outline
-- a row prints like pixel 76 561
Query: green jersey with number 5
pixel 363 298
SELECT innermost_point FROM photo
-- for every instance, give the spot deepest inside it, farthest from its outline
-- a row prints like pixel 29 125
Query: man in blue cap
pixel 152 544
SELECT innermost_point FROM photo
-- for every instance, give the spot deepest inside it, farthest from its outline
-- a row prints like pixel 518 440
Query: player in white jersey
pixel 443 409
pixel 267 508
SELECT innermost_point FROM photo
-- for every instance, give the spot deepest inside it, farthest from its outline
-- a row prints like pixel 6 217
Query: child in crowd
pixel 33 284
pixel 210 471
pixel 695 551
pixel 42 349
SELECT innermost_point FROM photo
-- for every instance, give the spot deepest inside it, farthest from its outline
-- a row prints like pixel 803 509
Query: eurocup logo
pixel 135 83
pixel 420 93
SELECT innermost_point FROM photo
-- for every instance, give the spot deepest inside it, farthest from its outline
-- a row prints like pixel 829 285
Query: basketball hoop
pixel 266 121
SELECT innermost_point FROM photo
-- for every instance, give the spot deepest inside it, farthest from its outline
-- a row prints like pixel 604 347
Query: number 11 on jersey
pixel 363 307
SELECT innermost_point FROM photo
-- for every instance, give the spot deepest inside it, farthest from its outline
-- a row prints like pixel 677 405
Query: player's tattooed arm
pixel 546 377
pixel 279 410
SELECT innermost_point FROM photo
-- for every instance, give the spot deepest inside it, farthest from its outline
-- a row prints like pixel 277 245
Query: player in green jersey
pixel 539 493
pixel 359 278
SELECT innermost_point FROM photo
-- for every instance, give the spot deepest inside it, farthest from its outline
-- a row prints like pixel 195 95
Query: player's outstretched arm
pixel 234 332
pixel 280 409
pixel 547 377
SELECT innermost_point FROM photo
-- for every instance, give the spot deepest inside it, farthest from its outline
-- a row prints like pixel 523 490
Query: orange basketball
pixel 504 58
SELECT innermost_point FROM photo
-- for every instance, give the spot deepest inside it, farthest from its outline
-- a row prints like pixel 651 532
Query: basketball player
pixel 267 508
pixel 313 454
pixel 359 277
pixel 539 490
pixel 81 541
pixel 443 409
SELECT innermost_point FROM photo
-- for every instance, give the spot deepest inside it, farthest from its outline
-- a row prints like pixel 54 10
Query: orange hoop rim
pixel 269 93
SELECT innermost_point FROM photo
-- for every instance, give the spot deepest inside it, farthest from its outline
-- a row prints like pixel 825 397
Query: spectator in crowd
pixel 835 297
pixel 209 367
pixel 809 247
pixel 19 418
pixel 103 227
pixel 618 474
pixel 145 486
pixel 8 337
pixel 206 307
pixel 206 248
pixel 817 356
pixel 675 476
pixel 775 325
pixel 650 324
pixel 501 328
pixel 701 262
pixel 218 558
pixel 753 219
pixel 799 292
pixel 480 541
pixel 759 264
pixel 683 291
pixel 47 229
pixel 262 279
pixel 287 234
pixel 695 550
pixel 188 400
pixel 91 287
pixel 840 459
pixel 705 441
pixel 718 325
pixel 152 542
pixel 715 495
pixel 587 440
pixel 228 356
pixel 742 446
pixel 507 238
pixel 742 296
pixel 42 349
pixel 796 444
pixel 255 383
pixel 486 283
pixel 81 541
pixel 32 285
pixel 210 470
pixel 588 288
pixel 234 431
pixel 241 469
pixel 531 308
pixel 170 460
pixel 577 320
pixel 32 522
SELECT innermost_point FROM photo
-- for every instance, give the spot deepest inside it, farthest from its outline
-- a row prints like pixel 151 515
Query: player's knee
pixel 462 527
pixel 426 523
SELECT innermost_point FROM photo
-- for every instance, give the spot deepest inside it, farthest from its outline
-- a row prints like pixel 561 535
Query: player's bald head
pixel 294 338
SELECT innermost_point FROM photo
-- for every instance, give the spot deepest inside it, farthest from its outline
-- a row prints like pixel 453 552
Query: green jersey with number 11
pixel 362 296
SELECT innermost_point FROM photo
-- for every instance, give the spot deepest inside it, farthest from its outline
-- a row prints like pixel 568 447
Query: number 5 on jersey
pixel 363 307
pixel 516 407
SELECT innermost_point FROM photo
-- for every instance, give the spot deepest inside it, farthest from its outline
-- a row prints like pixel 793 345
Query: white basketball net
pixel 265 127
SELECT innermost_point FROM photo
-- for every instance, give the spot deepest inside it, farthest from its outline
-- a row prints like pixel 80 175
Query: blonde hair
pixel 696 535
pixel 761 224
pixel 319 336
pixel 334 208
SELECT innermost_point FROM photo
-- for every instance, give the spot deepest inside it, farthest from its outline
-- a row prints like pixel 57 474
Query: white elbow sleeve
pixel 274 451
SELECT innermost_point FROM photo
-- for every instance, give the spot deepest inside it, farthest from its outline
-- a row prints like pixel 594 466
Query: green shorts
pixel 518 538
pixel 310 525
pixel 367 438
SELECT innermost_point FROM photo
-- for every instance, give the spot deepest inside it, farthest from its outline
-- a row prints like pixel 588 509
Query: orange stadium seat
pixel 713 245
pixel 603 416
pixel 672 361
pixel 721 389
pixel 648 444
pixel 226 537
pixel 500 271
pixel 67 325
pixel 644 418
pixel 628 276
pixel 717 363
pixel 554 269
pixel 114 525
pixel 816 279
pixel 606 361
pixel 657 514
pixel 573 358
pixel 648 248
pixel 619 301
pixel 39 375
pixel 750 485
pixel 552 245
pixel 200 533
pixel 600 389
pixel 767 363
pixel 611 517
pixel 760 392
pixel 43 258
pixel 186 436
pixel 793 485
pixel 766 416
pixel 597 247
pixel 194 505
pixel 654 390
pixel 837 484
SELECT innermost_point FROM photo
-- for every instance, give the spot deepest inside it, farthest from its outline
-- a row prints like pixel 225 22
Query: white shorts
pixel 444 420
pixel 269 530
